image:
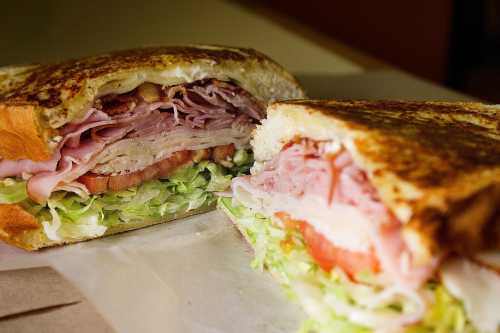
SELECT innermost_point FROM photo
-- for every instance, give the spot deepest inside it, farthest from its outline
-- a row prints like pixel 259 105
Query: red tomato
pixel 288 221
pixel 102 183
pixel 95 183
pixel 327 255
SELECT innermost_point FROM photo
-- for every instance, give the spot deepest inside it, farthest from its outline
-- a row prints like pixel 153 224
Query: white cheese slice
pixel 478 288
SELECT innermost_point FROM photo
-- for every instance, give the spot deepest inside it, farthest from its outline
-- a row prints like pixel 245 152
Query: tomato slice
pixel 288 222
pixel 327 255
pixel 95 183
pixel 103 183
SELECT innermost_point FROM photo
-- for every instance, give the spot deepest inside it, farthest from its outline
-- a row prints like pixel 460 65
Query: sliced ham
pixel 74 163
pixel 335 196
pixel 212 104
pixel 72 134
pixel 9 168
pixel 206 105
pixel 42 184
pixel 298 170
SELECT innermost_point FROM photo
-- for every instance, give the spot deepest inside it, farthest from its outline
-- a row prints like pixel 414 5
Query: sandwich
pixel 378 216
pixel 119 141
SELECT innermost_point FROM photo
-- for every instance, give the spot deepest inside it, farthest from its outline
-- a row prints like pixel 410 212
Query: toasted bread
pixel 436 165
pixel 35 101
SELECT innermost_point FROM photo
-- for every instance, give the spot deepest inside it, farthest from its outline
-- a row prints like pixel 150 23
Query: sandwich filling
pixel 332 224
pixel 152 132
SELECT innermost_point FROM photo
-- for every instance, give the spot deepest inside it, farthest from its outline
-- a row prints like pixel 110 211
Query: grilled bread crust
pixel 36 100
pixel 436 165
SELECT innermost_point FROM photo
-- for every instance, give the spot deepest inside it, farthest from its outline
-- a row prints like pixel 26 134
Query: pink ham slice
pixel 302 169
pixel 72 134
pixel 297 170
pixel 9 168
pixel 207 104
pixel 74 163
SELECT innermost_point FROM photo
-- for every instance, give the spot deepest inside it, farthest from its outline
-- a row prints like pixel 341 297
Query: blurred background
pixel 449 42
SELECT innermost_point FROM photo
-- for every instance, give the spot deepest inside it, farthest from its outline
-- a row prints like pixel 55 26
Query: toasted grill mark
pixel 49 85
pixel 427 143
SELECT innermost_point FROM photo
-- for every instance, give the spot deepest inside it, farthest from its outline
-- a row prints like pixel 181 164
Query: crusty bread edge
pixel 24 134
pixel 287 120
pixel 32 239
pixel 263 78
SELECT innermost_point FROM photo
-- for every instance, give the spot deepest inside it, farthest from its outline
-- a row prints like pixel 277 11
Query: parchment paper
pixel 192 275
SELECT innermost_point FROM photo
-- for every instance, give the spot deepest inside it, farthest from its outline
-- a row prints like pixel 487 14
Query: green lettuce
pixel 12 191
pixel 243 161
pixel 68 216
pixel 285 255
pixel 447 314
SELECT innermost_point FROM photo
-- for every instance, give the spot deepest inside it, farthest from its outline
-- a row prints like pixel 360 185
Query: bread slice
pixel 20 228
pixel 35 101
pixel 436 165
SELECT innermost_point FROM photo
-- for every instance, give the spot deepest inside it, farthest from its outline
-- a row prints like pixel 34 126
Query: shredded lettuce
pixel 242 162
pixel 447 314
pixel 69 216
pixel 187 189
pixel 330 298
pixel 12 191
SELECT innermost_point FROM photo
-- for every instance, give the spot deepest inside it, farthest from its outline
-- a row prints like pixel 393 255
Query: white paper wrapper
pixel 191 275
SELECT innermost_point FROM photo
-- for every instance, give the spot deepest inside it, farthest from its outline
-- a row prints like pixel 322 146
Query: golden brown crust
pixel 22 136
pixel 19 228
pixel 50 85
pixel 427 143
pixel 15 224
pixel 427 160
pixel 53 95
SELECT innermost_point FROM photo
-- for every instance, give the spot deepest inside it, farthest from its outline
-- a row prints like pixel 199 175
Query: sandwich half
pixel 378 216
pixel 109 143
